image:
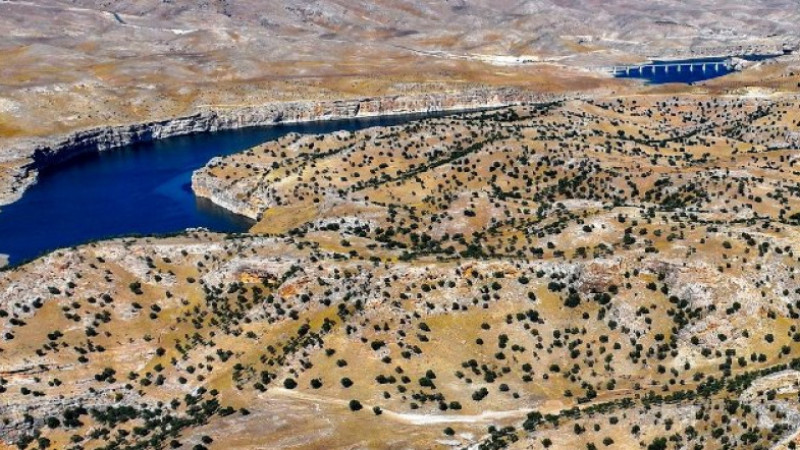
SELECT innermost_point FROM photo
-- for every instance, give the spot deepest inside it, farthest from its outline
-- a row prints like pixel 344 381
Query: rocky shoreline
pixel 23 163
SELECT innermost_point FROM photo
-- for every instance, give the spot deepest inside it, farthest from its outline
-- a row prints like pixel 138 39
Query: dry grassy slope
pixel 624 267
pixel 417 165
pixel 527 21
pixel 100 62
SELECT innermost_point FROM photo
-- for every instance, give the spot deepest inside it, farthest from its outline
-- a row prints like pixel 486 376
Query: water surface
pixel 137 190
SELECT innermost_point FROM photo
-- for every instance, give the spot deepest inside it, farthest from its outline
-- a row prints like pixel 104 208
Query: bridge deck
pixel 714 65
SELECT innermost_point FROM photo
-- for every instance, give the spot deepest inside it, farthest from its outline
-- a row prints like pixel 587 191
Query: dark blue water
pixel 141 189
pixel 656 71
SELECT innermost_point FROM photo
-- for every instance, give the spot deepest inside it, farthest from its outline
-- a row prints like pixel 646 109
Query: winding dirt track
pixel 415 419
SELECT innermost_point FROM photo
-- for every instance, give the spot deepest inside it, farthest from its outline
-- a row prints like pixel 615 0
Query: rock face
pixel 209 187
pixel 34 155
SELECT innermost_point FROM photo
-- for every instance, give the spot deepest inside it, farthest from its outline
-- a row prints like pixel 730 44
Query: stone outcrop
pixel 29 157
pixel 208 187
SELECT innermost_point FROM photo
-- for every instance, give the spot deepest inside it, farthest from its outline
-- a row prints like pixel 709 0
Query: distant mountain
pixel 538 27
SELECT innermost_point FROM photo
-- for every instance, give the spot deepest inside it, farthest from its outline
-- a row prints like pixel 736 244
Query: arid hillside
pixel 608 273
pixel 85 63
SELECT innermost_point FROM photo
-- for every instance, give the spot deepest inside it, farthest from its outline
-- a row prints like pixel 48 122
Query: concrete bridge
pixel 676 67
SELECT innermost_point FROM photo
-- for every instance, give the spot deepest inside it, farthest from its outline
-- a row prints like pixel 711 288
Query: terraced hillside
pixel 610 273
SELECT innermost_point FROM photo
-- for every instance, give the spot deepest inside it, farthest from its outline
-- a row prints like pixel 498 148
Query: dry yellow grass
pixel 600 262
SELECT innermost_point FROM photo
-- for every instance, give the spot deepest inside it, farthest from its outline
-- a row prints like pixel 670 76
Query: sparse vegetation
pixel 606 289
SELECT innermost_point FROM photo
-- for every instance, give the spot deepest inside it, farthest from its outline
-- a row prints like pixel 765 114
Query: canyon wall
pixel 22 163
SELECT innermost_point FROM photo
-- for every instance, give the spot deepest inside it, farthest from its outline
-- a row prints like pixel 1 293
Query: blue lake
pixel 690 70
pixel 138 190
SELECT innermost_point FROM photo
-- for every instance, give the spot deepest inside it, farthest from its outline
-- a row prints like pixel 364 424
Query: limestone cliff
pixel 20 170
pixel 232 200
